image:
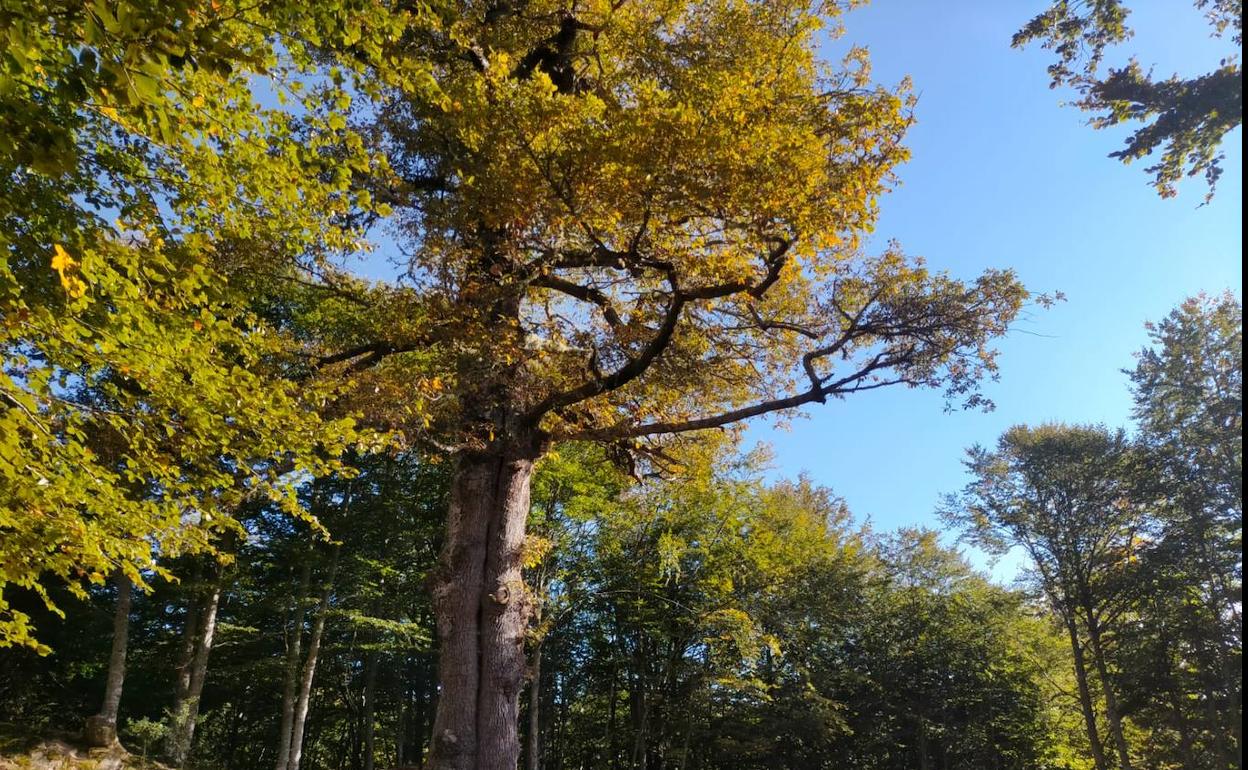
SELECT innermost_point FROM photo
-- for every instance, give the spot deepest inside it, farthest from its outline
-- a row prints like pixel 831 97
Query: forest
pixel 502 507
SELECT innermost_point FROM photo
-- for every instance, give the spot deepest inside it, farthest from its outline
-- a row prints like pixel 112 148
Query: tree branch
pixel 583 293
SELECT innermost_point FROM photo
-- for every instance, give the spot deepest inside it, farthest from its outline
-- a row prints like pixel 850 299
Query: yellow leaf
pixel 61 261
pixel 65 266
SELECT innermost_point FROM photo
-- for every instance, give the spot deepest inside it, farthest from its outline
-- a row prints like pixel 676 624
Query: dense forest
pixel 500 511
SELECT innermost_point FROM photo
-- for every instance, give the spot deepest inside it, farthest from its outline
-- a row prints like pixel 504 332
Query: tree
pixel 1186 118
pixel 629 222
pixel 1064 494
pixel 1188 390
pixel 136 177
pixel 1189 407
pixel 941 668
pixel 711 620
pixel 101 729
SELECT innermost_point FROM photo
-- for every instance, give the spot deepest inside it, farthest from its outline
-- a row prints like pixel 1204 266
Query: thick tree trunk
pixel 1085 695
pixel 294 653
pixel 482 612
pixel 101 729
pixel 309 669
pixel 184 727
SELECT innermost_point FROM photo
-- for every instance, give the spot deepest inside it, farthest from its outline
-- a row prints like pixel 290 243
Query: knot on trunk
pixel 448 742
pixel 501 595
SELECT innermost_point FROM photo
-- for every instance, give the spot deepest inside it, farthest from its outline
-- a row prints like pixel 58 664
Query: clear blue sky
pixel 1003 175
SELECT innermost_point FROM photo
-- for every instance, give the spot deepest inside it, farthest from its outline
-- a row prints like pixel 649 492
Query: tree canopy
pixel 1185 118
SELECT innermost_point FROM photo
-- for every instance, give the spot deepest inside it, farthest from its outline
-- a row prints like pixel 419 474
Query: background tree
pixel 713 620
pixel 137 166
pixel 1185 118
pixel 1064 495
pixel 1189 638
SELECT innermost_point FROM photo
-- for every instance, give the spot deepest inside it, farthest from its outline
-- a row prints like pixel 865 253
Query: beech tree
pixel 628 222
pixel 138 179
pixel 1186 651
pixel 1185 118
pixel 1064 494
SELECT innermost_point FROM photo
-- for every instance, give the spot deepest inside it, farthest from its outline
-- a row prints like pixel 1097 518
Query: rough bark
pixel 293 656
pixel 482 612
pixel 184 728
pixel 1085 695
pixel 101 729
pixel 309 669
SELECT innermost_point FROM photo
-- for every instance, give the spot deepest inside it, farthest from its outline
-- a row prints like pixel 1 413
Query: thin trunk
pixel 612 732
pixel 186 655
pixel 186 658
pixel 293 656
pixel 1085 695
pixel 1179 720
pixel 482 614
pixel 535 723
pixel 101 729
pixel 924 760
pixel 370 709
pixel 641 721
pixel 185 724
pixel 1112 712
pixel 309 668
pixel 405 716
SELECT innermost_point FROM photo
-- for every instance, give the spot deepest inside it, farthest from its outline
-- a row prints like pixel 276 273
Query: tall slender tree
pixel 1064 494
pixel 1188 388
pixel 101 729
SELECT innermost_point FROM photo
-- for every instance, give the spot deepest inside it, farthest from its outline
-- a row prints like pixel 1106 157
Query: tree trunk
pixel 481 610
pixel 535 705
pixel 1085 695
pixel 612 732
pixel 370 709
pixel 309 669
pixel 186 659
pixel 101 729
pixel 293 657
pixel 186 655
pixel 1112 711
pixel 184 727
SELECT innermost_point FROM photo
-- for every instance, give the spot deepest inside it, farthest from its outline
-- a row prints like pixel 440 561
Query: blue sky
pixel 1003 175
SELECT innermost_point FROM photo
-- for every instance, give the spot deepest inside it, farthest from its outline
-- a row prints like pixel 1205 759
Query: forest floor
pixel 18 752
